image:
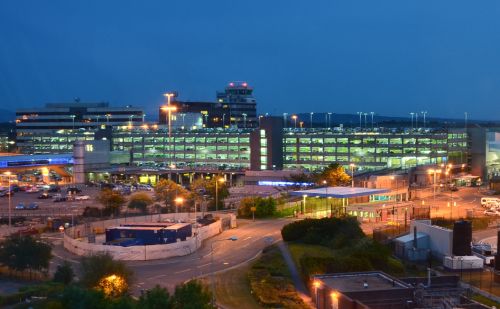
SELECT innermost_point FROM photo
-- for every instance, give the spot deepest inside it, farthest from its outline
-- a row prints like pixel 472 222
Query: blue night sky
pixel 391 57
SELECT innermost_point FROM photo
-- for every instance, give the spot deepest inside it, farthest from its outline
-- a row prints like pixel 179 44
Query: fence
pixel 78 246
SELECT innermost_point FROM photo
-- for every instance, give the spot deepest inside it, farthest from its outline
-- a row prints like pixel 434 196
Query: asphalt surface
pixel 47 207
pixel 252 238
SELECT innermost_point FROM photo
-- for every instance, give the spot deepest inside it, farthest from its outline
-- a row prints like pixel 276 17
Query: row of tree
pixel 173 195
pixel 25 253
pixel 332 175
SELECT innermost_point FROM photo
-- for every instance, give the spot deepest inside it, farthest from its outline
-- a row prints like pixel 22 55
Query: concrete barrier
pixel 75 240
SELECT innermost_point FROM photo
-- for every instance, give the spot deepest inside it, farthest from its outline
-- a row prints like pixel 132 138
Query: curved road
pixel 252 238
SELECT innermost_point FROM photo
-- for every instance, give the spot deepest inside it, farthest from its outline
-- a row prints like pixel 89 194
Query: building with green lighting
pixel 268 147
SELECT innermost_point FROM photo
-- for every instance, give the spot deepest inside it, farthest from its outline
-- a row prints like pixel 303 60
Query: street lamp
pixel 394 178
pixel 330 120
pixel 217 180
pixel 244 120
pixel 107 118
pixel 73 118
pixel 360 115
pixel 434 172
pixel 9 175
pixel 325 183
pixel 372 113
pixel 352 166
pixel 412 120
pixel 178 203
pixel 424 113
pixel 311 114
pixel 294 117
pixel 316 285
pixel 232 238
pixel 284 119
pixel 169 109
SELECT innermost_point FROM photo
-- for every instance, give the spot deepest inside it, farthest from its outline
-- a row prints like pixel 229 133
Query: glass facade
pixel 211 148
pixel 314 149
pixel 310 149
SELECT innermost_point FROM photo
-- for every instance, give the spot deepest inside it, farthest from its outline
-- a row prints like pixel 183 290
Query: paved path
pixel 297 281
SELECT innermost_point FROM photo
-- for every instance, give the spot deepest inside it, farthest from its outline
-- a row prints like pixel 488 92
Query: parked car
pixel 44 196
pixel 32 190
pixel 74 190
pixel 20 206
pixel 32 206
pixel 491 212
pixel 54 188
pixel 82 198
pixel 6 193
pixel 60 198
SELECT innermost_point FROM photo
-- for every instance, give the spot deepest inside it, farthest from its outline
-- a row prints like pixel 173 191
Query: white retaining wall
pixel 81 247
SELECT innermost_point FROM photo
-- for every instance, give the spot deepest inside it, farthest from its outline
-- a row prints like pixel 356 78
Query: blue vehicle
pixel 20 206
pixel 32 206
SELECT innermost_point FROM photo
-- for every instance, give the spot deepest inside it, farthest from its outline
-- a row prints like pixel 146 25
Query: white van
pixel 489 200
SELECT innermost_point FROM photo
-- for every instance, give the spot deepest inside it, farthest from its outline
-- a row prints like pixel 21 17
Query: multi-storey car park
pixel 233 148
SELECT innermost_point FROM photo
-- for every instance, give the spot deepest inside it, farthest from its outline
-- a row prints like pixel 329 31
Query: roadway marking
pixel 247 238
pixel 182 271
pixel 156 277
pixel 203 265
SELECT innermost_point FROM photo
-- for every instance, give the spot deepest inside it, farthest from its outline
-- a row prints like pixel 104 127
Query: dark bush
pixel 331 232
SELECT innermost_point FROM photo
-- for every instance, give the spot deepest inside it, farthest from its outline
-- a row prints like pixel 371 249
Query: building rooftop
pixel 339 192
pixel 355 282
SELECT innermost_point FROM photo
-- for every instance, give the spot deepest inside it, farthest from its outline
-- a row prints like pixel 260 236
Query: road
pixel 252 238
pixel 466 198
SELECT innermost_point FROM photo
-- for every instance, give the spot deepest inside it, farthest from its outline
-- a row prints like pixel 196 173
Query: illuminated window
pixel 89 147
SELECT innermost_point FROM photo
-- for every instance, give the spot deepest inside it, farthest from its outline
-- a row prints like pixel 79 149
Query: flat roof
pixel 35 160
pixel 339 192
pixel 354 282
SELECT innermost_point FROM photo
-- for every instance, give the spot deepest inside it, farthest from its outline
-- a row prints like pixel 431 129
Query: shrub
pixel 331 232
pixel 264 207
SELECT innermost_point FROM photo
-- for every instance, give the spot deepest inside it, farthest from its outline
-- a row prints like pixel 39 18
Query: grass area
pixel 298 250
pixel 271 283
pixel 232 289
pixel 485 301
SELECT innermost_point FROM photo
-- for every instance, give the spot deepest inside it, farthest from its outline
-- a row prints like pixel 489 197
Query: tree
pixel 64 273
pixel 264 207
pixel 334 175
pixel 156 298
pixel 202 186
pixel 111 200
pixel 141 201
pixel 98 271
pixel 25 252
pixel 301 178
pixel 192 295
pixel 167 191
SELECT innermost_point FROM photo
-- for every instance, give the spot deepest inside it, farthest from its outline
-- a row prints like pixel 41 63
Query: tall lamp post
pixel 352 166
pixel 325 183
pixel 294 117
pixel 232 238
pixel 434 172
pixel 217 180
pixel 311 114
pixel 178 203
pixel 169 109
pixel 9 175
